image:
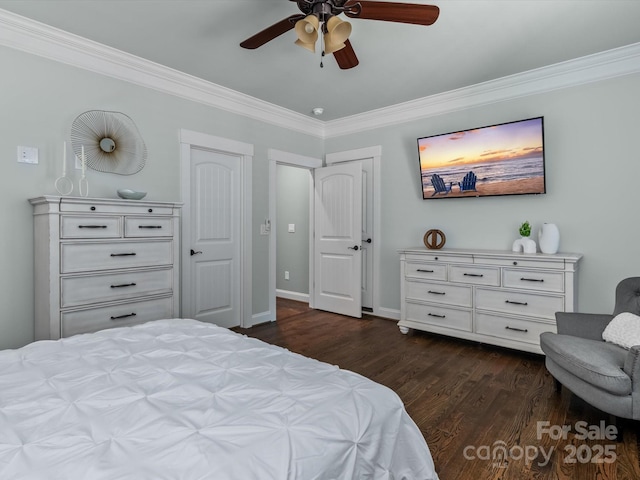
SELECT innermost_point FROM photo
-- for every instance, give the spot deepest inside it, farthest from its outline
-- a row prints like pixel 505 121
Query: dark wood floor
pixel 467 399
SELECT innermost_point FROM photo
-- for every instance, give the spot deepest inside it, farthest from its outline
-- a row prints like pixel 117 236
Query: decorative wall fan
pixel 111 141
pixel 322 15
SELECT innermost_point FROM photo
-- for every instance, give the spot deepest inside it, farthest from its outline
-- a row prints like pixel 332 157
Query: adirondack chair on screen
pixel 468 183
pixel 439 186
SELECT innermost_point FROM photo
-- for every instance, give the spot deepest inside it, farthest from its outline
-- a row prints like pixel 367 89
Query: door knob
pixel 368 240
pixel 355 247
pixel 193 252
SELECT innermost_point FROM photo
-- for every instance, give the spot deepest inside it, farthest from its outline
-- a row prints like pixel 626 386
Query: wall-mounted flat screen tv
pixel 502 159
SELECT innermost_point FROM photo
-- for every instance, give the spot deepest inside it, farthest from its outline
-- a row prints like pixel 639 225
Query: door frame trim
pixel 375 153
pixel 244 152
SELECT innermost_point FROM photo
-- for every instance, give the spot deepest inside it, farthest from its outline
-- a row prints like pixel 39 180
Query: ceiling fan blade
pixel 271 32
pixel 346 57
pixel 392 12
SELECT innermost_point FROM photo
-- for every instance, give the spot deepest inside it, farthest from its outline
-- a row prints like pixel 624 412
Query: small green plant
pixel 525 229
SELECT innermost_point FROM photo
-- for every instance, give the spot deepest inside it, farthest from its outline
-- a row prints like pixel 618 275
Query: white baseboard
pixel 300 297
pixel 263 317
pixel 389 313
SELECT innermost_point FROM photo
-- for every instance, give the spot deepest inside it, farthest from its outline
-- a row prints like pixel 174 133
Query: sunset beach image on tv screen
pixel 503 159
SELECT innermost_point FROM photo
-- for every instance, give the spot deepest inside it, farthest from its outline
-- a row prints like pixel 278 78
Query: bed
pixel 182 399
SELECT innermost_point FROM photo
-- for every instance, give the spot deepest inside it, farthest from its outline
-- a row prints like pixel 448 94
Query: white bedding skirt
pixel 181 399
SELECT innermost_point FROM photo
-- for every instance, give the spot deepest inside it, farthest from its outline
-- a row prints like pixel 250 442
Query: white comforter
pixel 180 399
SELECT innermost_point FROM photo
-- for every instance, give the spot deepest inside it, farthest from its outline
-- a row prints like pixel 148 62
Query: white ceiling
pixel 473 41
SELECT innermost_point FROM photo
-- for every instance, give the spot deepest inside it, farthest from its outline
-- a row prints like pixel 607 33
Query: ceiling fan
pixel 322 15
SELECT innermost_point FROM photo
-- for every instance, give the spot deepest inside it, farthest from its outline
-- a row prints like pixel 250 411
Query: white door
pixel 215 238
pixel 337 241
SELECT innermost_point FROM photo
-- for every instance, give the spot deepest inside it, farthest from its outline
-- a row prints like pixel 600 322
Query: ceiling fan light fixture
pixel 337 32
pixel 338 29
pixel 331 45
pixel 309 46
pixel 320 16
pixel 307 29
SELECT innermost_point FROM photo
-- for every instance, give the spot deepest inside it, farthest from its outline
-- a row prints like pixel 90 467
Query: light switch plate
pixel 28 155
pixel 292 228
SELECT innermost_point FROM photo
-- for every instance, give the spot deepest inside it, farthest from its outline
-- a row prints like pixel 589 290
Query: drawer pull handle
pixel 473 274
pixel 436 293
pixel 149 226
pixel 124 285
pixel 523 330
pixel 437 316
pixel 424 270
pixel 123 316
pixel 516 303
pixel 524 279
pixel 92 226
pixel 123 254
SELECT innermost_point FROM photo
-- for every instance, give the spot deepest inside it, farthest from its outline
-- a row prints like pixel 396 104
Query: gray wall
pixel 292 249
pixel 592 165
pixel 39 99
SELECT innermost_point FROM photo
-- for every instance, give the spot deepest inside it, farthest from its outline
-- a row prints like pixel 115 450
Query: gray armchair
pixel 602 374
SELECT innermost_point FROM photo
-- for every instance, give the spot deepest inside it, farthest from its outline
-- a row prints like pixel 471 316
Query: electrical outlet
pixel 286 275
pixel 28 155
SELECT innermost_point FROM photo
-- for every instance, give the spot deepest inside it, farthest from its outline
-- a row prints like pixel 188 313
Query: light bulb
pixel 309 28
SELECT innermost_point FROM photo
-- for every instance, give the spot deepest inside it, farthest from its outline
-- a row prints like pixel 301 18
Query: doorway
pixel 371 218
pixel 279 158
pixel 292 231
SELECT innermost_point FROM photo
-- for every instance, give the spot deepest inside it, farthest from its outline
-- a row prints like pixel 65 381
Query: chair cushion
pixel 595 362
pixel 623 330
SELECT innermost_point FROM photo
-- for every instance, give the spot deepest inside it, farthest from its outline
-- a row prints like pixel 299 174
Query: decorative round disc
pixel 434 239
pixel 111 140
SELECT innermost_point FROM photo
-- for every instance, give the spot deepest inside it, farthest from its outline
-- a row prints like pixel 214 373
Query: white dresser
pixel 102 263
pixel 497 297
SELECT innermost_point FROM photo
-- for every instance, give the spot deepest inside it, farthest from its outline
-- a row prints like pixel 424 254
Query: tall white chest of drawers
pixel 497 297
pixel 103 263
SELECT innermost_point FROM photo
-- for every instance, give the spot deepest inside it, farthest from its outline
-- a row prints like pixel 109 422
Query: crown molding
pixel 36 38
pixel 588 69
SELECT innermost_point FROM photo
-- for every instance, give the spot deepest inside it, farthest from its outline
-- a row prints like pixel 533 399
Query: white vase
pixel 549 238
pixel 524 245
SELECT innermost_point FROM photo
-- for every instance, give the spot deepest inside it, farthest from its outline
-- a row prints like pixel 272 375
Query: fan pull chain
pixel 322 54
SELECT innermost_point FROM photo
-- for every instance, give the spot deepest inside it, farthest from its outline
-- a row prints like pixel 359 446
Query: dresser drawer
pixel 148 227
pixel 117 207
pixel 80 290
pixel 439 293
pixel 519 303
pixel 122 315
pixel 90 256
pixel 431 256
pixel 474 275
pixel 541 262
pixel 534 280
pixel 90 226
pixel 512 328
pixel 439 316
pixel 427 271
